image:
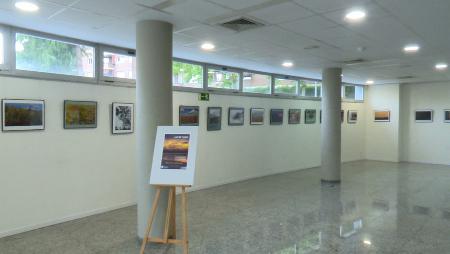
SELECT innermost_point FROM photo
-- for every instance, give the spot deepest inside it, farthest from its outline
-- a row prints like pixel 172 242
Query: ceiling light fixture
pixel 208 46
pixel 287 64
pixel 355 15
pixel 370 82
pixel 411 48
pixel 367 242
pixel 441 66
pixel 26 6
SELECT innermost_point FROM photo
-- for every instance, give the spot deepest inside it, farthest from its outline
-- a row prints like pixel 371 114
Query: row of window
pixel 40 55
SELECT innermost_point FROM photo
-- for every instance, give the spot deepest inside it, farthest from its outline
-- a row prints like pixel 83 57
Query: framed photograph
pixel 352 116
pixel 310 116
pixel 174 155
pixel 276 116
pixel 80 114
pixel 235 116
pixel 257 116
pixel 122 118
pixel 342 116
pixel 320 116
pixel 214 119
pixel 189 115
pixel 447 116
pixel 23 115
pixel 294 116
pixel 382 116
pixel 424 116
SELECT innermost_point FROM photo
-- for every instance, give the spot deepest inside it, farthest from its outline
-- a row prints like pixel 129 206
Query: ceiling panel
pixel 239 4
pixel 116 8
pixel 276 14
pixel 309 26
pixel 322 6
pixel 77 18
pixel 197 10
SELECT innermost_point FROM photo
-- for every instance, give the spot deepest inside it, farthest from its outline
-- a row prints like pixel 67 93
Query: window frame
pixel 260 73
pixel 115 50
pixel 317 81
pixel 190 89
pixel 285 95
pixel 354 98
pixel 47 75
pixel 7 48
pixel 222 68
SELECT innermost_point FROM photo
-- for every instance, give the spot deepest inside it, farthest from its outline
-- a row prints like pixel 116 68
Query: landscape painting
pixel 175 151
pixel 447 115
pixel 21 115
pixel 235 116
pixel 382 116
pixel 294 116
pixel 257 116
pixel 310 116
pixel 276 116
pixel 122 118
pixel 352 116
pixel 80 114
pixel 214 122
pixel 424 116
pixel 189 115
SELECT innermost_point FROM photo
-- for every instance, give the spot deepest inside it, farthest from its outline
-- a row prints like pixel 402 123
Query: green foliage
pixel 286 86
pixel 223 79
pixel 191 74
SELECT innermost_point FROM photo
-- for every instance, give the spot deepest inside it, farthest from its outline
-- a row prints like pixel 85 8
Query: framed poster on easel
pixel 173 167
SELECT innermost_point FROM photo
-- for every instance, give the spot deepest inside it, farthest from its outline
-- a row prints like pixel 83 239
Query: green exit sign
pixel 203 96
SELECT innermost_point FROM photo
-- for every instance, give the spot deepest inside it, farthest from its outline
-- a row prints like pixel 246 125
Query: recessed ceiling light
pixel 355 15
pixel 287 64
pixel 367 242
pixel 208 46
pixel 441 66
pixel 411 48
pixel 26 6
pixel 370 82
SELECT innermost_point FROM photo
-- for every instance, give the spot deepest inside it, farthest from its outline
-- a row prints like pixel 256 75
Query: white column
pixel 153 108
pixel 331 125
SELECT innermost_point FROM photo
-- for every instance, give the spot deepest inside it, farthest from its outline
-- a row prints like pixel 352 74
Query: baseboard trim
pixel 64 219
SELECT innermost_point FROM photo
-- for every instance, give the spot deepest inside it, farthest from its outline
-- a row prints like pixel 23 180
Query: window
pixel 308 88
pixel 286 86
pixel 119 66
pixel 349 92
pixel 359 93
pixel 223 79
pixel 256 83
pixel 352 92
pixel 2 49
pixel 52 56
pixel 319 89
pixel 187 75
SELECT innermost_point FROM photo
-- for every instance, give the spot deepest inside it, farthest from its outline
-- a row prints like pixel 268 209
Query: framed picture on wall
pixel 382 115
pixel 276 116
pixel 257 116
pixel 23 115
pixel 80 114
pixel 423 116
pixel 235 116
pixel 188 115
pixel 447 116
pixel 310 116
pixel 214 119
pixel 122 118
pixel 294 116
pixel 342 116
pixel 352 116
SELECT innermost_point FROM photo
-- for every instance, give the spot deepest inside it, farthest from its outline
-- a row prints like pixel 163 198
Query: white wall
pixel 425 142
pixel 382 138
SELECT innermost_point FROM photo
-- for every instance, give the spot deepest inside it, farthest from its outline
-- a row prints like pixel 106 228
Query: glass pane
pixel 187 75
pixel 349 92
pixel 2 49
pixel 286 86
pixel 52 56
pixel 319 90
pixel 359 93
pixel 257 83
pixel 223 79
pixel 119 66
pixel 308 88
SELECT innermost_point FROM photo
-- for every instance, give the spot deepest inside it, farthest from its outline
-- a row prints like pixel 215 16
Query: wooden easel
pixel 169 233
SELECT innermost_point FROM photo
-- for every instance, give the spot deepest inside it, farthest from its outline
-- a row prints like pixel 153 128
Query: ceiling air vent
pixel 354 61
pixel 241 24
pixel 405 77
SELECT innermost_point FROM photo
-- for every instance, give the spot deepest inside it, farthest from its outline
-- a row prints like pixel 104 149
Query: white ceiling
pixel 290 26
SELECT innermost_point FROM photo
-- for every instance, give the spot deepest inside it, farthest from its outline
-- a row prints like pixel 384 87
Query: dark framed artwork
pixel 294 116
pixel 276 116
pixel 447 116
pixel 342 116
pixel 23 115
pixel 235 116
pixel 320 116
pixel 214 119
pixel 424 116
pixel 352 116
pixel 382 116
pixel 189 115
pixel 257 116
pixel 310 116
pixel 80 114
pixel 122 119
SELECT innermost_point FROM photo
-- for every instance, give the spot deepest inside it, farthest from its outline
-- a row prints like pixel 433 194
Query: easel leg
pixel 184 218
pixel 150 219
pixel 168 215
pixel 173 223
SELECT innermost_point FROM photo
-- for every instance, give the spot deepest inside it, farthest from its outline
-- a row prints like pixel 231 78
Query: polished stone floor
pixel 379 208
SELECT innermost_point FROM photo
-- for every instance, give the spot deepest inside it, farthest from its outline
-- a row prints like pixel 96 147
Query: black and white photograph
pixel 352 116
pixel 122 118
pixel 214 119
pixel 447 116
pixel 235 116
pixel 424 116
